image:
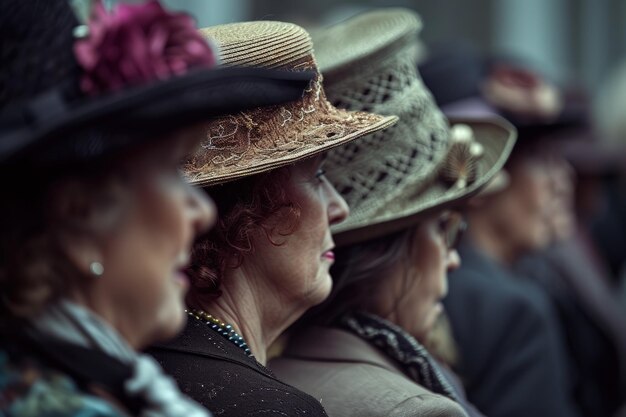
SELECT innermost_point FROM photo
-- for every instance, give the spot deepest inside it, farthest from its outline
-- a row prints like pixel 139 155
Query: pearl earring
pixel 96 268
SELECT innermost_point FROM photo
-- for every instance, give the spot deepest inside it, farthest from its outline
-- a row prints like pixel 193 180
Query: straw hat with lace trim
pixel 393 179
pixel 266 138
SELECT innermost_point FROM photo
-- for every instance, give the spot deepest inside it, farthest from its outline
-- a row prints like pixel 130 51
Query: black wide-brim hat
pixel 45 118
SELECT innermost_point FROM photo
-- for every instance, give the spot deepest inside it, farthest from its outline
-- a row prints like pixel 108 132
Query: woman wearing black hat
pixel 96 221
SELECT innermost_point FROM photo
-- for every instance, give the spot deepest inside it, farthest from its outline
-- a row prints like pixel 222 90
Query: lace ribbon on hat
pixel 238 143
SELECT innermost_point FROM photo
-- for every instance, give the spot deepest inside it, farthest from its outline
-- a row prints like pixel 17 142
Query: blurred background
pixel 567 39
pixel 570 42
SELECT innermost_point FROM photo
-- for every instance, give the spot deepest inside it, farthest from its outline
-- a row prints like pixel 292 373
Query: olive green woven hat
pixel 394 178
pixel 265 138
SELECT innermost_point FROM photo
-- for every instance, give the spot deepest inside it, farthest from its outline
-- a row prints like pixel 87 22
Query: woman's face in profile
pixel 418 290
pixel 145 252
pixel 297 269
pixel 520 211
pixel 561 213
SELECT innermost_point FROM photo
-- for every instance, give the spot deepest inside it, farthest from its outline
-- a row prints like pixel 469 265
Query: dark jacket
pixel 458 388
pixel 593 322
pixel 219 375
pixel 512 359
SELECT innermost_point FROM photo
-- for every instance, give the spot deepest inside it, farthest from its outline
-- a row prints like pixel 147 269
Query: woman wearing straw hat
pixel 268 258
pixel 96 221
pixel 405 187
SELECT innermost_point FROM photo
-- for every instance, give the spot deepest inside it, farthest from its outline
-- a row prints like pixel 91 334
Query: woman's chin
pixel 182 280
pixel 172 324
pixel 429 323
pixel 322 291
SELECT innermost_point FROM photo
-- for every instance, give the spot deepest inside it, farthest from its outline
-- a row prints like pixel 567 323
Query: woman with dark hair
pixel 268 258
pixel 96 221
pixel 405 187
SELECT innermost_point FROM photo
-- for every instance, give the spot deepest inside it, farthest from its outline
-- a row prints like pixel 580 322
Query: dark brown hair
pixel 359 270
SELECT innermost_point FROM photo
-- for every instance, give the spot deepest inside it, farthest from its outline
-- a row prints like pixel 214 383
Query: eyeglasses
pixel 452 226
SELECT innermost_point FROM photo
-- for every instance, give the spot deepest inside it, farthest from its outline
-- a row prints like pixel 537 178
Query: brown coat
pixel 351 377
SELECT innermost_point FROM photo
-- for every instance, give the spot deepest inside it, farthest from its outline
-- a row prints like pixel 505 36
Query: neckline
pixel 224 329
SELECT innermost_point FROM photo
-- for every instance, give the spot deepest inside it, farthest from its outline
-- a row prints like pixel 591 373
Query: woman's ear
pixel 85 254
pixel 82 214
pixel 89 206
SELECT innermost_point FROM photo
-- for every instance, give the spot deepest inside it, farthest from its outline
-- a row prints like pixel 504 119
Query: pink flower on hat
pixel 136 44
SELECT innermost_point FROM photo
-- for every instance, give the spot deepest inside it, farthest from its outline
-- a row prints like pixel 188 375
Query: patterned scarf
pixel 70 322
pixel 412 357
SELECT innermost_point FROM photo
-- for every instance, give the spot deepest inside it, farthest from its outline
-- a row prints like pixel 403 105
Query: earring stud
pixel 96 268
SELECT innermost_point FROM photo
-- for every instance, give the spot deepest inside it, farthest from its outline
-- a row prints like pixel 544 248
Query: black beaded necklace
pixel 226 330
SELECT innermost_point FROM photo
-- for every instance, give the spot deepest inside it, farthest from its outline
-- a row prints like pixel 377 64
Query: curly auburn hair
pixel 244 208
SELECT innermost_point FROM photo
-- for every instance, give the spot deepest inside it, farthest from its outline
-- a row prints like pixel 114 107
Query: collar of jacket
pixel 339 345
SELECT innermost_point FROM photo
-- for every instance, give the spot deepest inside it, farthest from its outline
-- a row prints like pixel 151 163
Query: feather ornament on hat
pixel 460 165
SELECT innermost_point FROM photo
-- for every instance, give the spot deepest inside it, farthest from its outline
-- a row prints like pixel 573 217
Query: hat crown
pixel 261 139
pixel 373 173
pixel 264 44
pixel 368 39
pixel 36 50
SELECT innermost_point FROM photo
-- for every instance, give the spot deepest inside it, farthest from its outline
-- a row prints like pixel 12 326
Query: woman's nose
pixel 204 211
pixel 338 209
pixel 454 260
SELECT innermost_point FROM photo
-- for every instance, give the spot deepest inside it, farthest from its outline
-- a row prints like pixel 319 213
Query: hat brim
pixel 145 111
pixel 354 124
pixel 497 137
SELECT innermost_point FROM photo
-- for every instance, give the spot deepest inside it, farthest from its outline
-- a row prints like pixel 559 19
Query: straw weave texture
pixel 255 141
pixel 390 177
pixel 388 169
pixel 372 36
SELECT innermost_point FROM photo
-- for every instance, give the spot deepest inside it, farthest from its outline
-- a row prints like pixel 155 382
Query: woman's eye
pixel 443 225
pixel 319 174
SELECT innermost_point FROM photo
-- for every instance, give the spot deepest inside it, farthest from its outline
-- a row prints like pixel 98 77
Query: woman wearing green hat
pixel 362 351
